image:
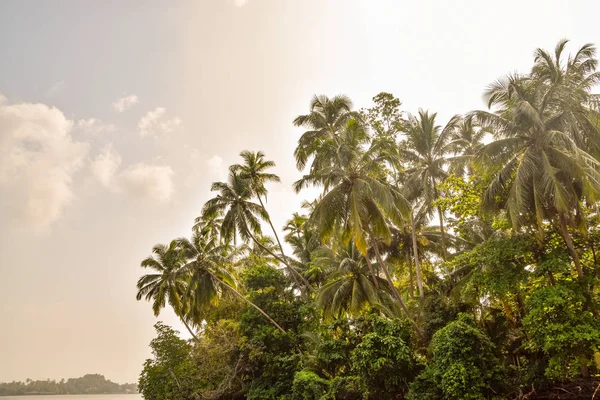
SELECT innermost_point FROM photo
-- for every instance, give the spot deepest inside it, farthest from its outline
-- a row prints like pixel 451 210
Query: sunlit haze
pixel 115 117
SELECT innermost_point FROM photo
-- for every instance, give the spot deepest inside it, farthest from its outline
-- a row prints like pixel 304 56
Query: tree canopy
pixel 442 259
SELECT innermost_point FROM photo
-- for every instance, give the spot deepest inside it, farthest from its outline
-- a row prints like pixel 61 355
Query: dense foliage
pixel 87 384
pixel 439 262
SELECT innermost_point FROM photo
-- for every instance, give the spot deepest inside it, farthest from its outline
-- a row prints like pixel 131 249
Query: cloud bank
pixel 105 165
pixel 125 103
pixel 156 122
pixel 38 159
pixel 240 3
pixel 93 126
pixel 148 181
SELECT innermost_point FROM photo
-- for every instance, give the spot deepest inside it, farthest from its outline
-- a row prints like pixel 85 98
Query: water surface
pixel 77 397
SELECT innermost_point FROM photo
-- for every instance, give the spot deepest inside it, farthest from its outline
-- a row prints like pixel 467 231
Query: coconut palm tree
pixel 241 217
pixel 357 201
pixel 465 141
pixel 303 240
pixel 168 284
pixel 417 240
pixel 540 173
pixel 254 170
pixel 210 269
pixel 325 119
pixel 571 80
pixel 350 288
pixel 426 151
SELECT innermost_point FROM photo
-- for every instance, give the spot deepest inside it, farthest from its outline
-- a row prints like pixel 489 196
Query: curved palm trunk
pixel 443 232
pixel 292 271
pixel 395 291
pixel 281 260
pixel 441 217
pixel 564 232
pixel 372 272
pixel 189 329
pixel 416 257
pixel 257 308
pixel 411 277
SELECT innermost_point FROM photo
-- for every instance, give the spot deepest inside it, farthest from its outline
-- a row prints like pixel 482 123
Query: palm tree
pixel 254 171
pixel 357 202
pixel 350 287
pixel 326 118
pixel 573 78
pixel 209 267
pixel 539 170
pixel 465 141
pixel 168 284
pixel 413 241
pixel 426 150
pixel 209 225
pixel 297 237
pixel 303 240
pixel 241 217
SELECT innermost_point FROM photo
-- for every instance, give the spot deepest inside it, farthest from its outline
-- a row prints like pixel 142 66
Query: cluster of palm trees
pixel 378 229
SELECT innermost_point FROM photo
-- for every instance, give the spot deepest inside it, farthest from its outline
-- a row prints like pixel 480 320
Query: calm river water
pixel 77 397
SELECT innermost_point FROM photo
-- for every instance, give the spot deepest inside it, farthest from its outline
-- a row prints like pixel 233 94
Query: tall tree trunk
pixel 189 329
pixel 393 288
pixel 257 308
pixel 372 271
pixel 416 256
pixel 291 270
pixel 564 231
pixel 281 260
pixel 441 217
pixel 443 232
pixel 411 278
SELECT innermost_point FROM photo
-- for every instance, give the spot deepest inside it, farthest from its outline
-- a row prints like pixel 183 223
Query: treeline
pixel 87 384
pixel 440 261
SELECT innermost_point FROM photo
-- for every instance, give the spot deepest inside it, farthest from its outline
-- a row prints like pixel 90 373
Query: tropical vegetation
pixel 87 384
pixel 442 259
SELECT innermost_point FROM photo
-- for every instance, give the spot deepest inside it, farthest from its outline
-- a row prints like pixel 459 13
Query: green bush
pixel 562 329
pixel 271 358
pixel 309 386
pixel 170 374
pixel 463 365
pixel 384 359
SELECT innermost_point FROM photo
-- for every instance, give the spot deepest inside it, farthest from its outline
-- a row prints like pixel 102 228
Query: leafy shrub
pixel 170 373
pixel 560 326
pixel 308 386
pixel 217 357
pixel 463 365
pixel 271 358
pixel 384 359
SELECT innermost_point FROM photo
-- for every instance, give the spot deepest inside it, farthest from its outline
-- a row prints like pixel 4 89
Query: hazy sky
pixel 115 117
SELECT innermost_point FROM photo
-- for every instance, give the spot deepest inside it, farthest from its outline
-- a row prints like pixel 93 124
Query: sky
pixel 116 116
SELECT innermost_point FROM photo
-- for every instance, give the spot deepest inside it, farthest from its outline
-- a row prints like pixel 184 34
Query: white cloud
pixel 38 158
pixel 125 103
pixel 215 165
pixel 148 181
pixel 240 3
pixel 56 88
pixel 155 122
pixel 3 99
pixel 105 165
pixel 93 126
